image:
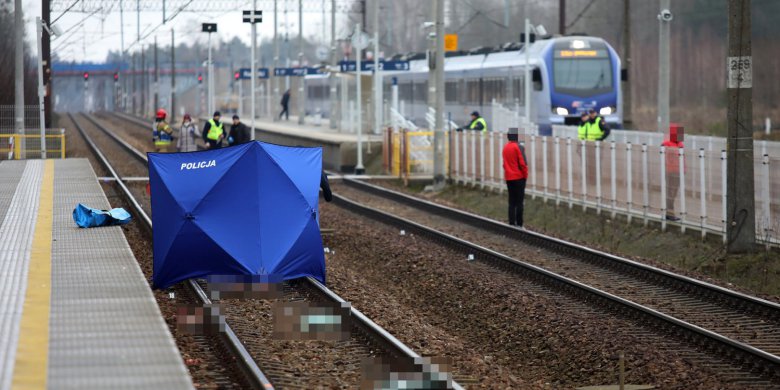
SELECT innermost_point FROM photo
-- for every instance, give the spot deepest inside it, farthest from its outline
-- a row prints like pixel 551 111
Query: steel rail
pixel 246 362
pixel 743 301
pixel 740 353
pixel 387 340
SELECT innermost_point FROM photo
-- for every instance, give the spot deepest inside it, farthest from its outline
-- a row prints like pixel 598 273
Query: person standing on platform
pixel 285 105
pixel 515 174
pixel 239 132
pixel 161 132
pixel 673 143
pixel 213 132
pixel 188 135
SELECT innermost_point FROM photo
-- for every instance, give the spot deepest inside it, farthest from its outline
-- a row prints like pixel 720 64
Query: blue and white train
pixel 570 74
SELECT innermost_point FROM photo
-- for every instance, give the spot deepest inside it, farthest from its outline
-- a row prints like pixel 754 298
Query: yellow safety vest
pixel 590 131
pixel 479 120
pixel 214 131
pixel 162 134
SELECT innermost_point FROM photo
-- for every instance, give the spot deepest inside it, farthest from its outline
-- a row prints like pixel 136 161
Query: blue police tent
pixel 249 209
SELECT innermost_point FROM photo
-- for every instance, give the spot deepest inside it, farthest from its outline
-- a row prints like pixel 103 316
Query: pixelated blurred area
pixel 406 373
pixel 243 287
pixel 300 320
pixel 200 320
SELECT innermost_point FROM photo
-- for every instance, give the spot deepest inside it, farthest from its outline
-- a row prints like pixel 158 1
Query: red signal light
pixel 237 75
pixel 200 79
pixel 86 76
pixel 116 77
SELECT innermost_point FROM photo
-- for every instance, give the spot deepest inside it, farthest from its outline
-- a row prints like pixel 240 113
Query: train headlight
pixel 561 111
pixel 605 111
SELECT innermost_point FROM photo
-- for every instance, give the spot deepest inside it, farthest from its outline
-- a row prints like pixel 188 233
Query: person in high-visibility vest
pixel 582 130
pixel 213 132
pixel 478 123
pixel 162 134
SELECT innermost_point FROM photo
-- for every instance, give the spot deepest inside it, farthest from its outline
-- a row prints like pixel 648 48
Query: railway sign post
pixel 351 66
pixel 253 17
pixel 246 73
pixel 450 42
pixel 297 72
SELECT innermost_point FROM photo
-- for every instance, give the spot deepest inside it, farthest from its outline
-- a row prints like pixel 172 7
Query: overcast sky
pixel 101 33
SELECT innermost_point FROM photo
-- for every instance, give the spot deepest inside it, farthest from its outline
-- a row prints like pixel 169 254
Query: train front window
pixel 582 76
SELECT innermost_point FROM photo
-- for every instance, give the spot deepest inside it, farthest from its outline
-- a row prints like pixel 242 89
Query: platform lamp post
pixel 210 28
pixel 53 31
pixel 253 17
pixel 360 41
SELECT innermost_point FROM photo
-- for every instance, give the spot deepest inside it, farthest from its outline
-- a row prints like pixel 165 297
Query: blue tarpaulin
pixel 87 217
pixel 250 209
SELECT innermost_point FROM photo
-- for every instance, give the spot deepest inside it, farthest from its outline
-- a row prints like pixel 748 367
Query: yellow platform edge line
pixel 32 352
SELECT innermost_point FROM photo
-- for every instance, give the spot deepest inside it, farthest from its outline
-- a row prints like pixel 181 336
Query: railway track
pixel 739 329
pixel 367 338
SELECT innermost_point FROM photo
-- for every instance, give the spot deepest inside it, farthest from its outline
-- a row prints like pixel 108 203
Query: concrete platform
pixel 339 149
pixel 75 309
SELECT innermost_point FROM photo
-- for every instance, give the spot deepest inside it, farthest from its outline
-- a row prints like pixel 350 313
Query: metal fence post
pixel 598 177
pixel 767 200
pixel 456 171
pixel 645 193
pixel 491 139
pixel 683 210
pixel 629 188
pixel 702 194
pixel 723 166
pixel 544 168
pixel 662 153
pixel 613 179
pixel 482 159
pixel 501 185
pixel 532 166
pixel 557 145
pixel 584 175
pixel 473 159
pixel 570 174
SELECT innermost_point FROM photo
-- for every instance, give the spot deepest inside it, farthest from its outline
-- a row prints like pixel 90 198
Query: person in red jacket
pixel 672 144
pixel 515 174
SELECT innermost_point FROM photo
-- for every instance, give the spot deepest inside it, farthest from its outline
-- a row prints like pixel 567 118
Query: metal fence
pixel 693 142
pixel 410 152
pixel 16 144
pixel 8 119
pixel 28 146
pixel 623 177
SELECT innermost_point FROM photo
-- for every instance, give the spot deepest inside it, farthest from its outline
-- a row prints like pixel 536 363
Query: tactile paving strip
pixel 16 233
pixel 106 329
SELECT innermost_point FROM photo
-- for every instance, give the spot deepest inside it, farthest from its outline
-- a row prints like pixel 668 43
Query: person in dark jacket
pixel 326 193
pixel 239 132
pixel 516 174
pixel 285 105
pixel 213 132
